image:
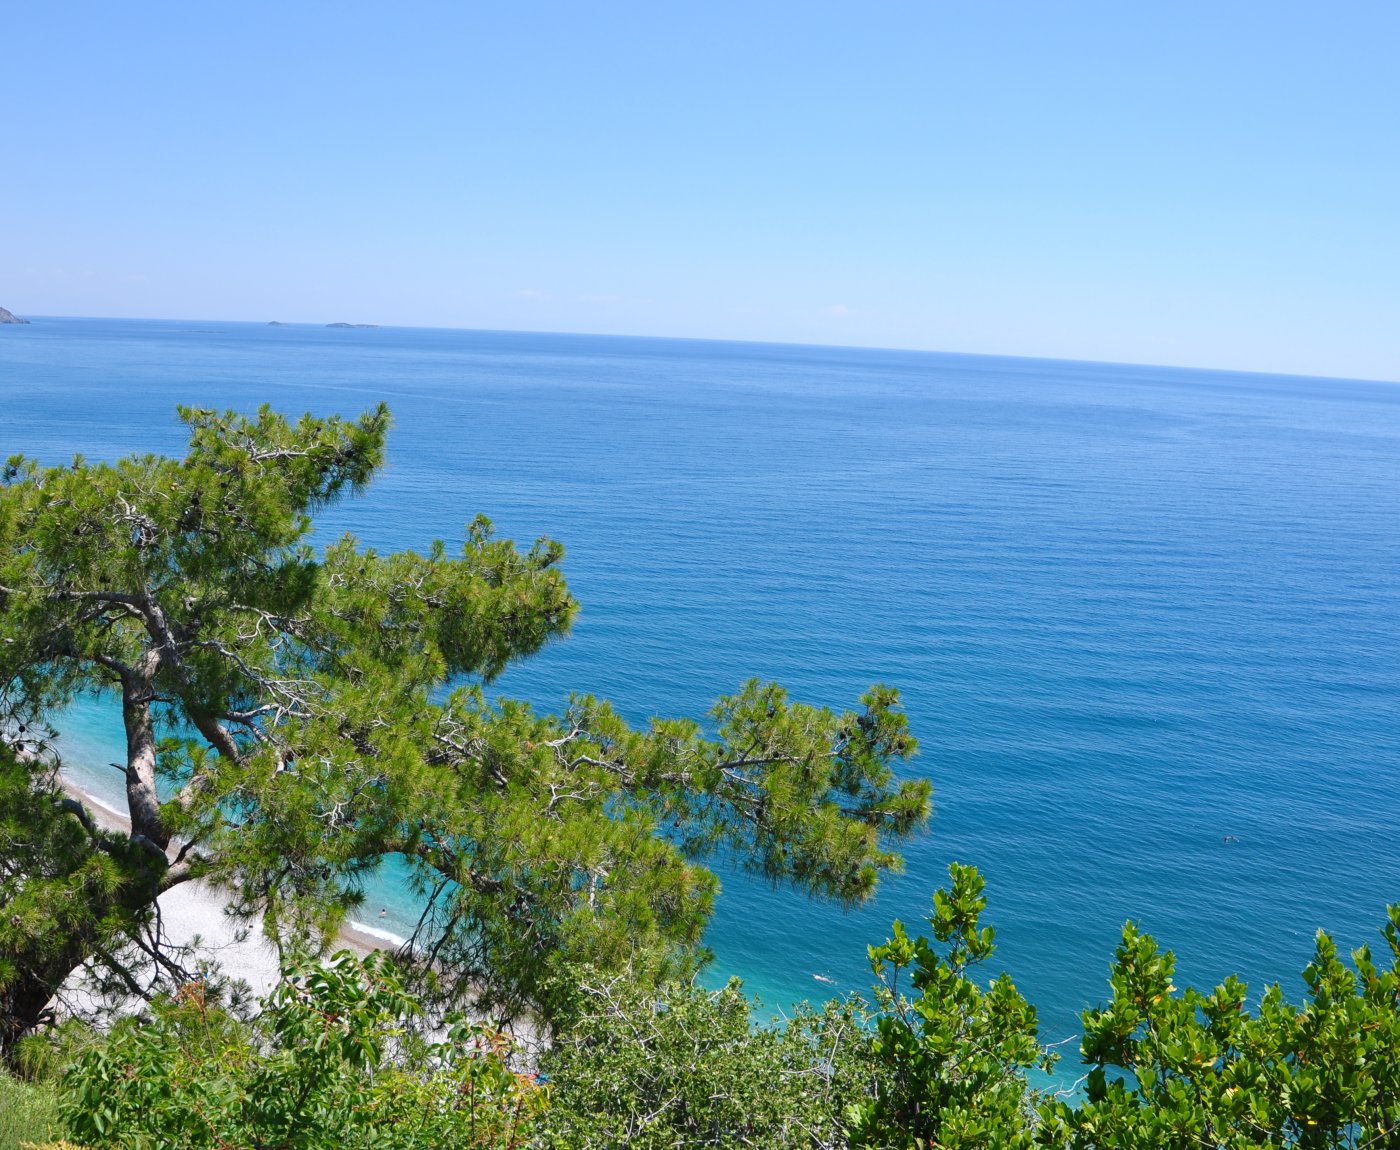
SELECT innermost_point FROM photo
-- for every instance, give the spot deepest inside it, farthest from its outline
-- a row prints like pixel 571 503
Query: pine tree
pixel 293 717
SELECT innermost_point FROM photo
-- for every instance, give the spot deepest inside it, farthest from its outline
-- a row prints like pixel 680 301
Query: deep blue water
pixel 1132 610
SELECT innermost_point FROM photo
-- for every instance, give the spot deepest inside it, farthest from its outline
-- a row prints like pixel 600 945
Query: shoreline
pixel 198 909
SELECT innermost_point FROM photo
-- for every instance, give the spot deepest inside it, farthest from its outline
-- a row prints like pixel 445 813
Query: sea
pixel 1145 620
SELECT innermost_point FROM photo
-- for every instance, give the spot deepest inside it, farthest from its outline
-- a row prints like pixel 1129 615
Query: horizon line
pixel 721 339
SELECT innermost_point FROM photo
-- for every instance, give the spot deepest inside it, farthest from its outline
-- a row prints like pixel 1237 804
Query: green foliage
pixel 46 1055
pixel 689 1068
pixel 64 887
pixel 28 1112
pixel 292 717
pixel 1166 1067
pixel 327 1064
pixel 955 1056
pixel 1182 1068
pixel 575 840
pixel 942 1060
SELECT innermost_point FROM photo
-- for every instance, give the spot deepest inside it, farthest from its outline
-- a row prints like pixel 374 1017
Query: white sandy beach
pixel 198 910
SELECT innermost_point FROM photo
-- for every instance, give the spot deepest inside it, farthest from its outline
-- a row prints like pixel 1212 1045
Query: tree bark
pixel 143 803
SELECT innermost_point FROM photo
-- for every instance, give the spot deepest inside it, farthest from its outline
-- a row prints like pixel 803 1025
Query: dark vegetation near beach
pixel 294 716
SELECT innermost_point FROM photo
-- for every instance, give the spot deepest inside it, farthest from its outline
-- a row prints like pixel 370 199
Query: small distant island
pixel 275 323
pixel 352 325
pixel 10 317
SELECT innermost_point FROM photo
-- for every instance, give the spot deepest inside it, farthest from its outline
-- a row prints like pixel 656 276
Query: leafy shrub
pixel 955 1055
pixel 687 1067
pixel 942 1060
pixel 1166 1067
pixel 1173 1067
pixel 327 1063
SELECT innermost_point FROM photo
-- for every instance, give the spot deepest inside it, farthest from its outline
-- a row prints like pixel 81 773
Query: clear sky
pixel 1213 183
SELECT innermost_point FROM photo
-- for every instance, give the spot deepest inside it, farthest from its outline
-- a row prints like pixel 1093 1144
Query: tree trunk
pixel 24 1002
pixel 143 803
pixel 82 920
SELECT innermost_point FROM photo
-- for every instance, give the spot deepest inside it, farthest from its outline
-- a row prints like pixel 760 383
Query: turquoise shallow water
pixel 1132 610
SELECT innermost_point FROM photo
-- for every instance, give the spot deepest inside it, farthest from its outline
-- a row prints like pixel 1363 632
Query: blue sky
pixel 1213 184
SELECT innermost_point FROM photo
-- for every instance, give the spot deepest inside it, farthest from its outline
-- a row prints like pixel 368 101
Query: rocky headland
pixel 10 317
